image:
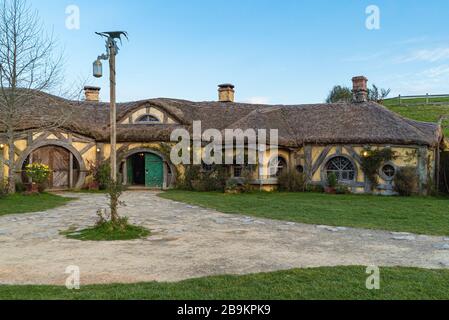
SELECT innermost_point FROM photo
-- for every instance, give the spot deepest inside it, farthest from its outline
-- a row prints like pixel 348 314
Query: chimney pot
pixel 226 92
pixel 360 89
pixel 92 93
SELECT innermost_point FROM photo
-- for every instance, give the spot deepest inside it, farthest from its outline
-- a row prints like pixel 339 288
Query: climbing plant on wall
pixel 371 162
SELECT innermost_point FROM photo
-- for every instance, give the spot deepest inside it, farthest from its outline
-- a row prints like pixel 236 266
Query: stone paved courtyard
pixel 189 242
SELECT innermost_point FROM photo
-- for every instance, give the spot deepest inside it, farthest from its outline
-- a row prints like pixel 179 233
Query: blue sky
pixel 287 51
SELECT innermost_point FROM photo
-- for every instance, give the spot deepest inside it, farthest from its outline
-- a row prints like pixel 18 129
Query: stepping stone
pixel 367 235
pixel 404 238
pixel 247 220
pixel 441 246
pixel 219 221
pixel 332 229
pixel 401 233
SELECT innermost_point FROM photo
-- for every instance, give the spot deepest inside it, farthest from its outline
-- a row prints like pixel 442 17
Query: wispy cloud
pixel 436 72
pixel 413 40
pixel 258 100
pixel 433 80
pixel 426 55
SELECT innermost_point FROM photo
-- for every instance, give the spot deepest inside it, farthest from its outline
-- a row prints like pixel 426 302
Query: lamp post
pixel 111 52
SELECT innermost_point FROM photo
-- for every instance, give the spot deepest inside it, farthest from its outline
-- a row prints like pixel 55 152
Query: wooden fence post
pixel 399 99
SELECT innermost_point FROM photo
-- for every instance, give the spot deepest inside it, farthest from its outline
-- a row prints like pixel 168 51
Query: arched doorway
pixel 146 169
pixel 65 169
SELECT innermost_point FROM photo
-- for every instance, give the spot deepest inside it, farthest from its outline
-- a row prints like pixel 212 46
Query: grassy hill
pixel 417 109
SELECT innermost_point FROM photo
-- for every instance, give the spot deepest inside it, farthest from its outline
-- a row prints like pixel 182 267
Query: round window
pixel 389 171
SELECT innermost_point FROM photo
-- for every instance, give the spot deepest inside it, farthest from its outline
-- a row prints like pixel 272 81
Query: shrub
pixel 20 187
pixel 406 181
pixel 342 189
pixel 241 184
pixel 314 188
pixel 3 188
pixel 100 172
pixel 292 181
pixel 197 179
pixel 39 174
pixel 332 180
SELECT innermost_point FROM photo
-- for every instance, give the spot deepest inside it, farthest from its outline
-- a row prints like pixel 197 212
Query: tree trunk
pixel 12 165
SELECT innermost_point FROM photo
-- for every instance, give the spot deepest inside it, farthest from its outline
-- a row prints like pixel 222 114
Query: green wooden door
pixel 154 171
pixel 130 171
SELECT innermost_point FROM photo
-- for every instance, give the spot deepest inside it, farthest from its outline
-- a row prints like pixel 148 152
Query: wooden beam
pixel 71 170
pixel 321 159
pixel 43 137
pixel 308 165
pixel 60 136
pixel 422 169
pixel 87 148
pixel 2 165
pixel 353 154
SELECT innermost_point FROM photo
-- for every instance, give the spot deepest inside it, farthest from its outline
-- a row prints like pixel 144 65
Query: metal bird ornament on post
pixel 112 36
pixel 111 48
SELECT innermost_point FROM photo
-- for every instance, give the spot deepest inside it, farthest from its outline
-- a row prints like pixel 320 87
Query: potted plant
pixel 332 182
pixel 39 174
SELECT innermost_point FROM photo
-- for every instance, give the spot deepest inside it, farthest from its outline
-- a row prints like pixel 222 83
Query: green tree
pixel 339 94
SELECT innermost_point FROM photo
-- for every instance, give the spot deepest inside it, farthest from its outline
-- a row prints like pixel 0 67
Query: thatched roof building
pixel 341 123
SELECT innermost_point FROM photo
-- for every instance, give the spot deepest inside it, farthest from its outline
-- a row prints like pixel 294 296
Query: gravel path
pixel 189 242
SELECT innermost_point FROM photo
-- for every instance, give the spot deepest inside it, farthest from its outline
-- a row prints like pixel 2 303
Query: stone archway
pixel 169 170
pixel 73 157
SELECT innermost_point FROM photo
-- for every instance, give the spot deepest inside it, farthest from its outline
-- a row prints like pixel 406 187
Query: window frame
pixel 386 177
pixel 279 169
pixel 354 170
pixel 139 119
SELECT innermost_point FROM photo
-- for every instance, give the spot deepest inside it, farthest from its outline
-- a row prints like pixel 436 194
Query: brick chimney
pixel 92 93
pixel 360 89
pixel 226 92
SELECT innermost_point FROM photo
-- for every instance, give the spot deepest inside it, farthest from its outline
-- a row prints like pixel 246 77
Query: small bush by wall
pixel 197 179
pixel 3 188
pixel 292 181
pixel 406 181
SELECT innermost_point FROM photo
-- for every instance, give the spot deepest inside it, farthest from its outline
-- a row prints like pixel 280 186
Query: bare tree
pixel 29 66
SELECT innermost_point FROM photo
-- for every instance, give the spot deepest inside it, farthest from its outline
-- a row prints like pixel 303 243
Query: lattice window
pixel 342 167
pixel 277 167
pixel 148 119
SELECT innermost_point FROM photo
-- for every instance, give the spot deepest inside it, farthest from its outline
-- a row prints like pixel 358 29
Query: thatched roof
pixel 343 123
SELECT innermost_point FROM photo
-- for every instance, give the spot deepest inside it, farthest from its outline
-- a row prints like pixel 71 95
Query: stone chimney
pixel 360 89
pixel 226 92
pixel 92 93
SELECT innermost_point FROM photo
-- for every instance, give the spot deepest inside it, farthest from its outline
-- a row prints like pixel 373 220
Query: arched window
pixel 342 167
pixel 276 167
pixel 148 119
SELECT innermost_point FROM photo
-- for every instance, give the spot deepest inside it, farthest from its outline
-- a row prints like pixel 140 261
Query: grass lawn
pixel 421 112
pixel 18 203
pixel 416 214
pixel 107 232
pixel 346 283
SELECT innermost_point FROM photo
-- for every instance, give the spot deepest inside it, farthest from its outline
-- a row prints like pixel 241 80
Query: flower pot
pixel 93 186
pixel 32 188
pixel 330 190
